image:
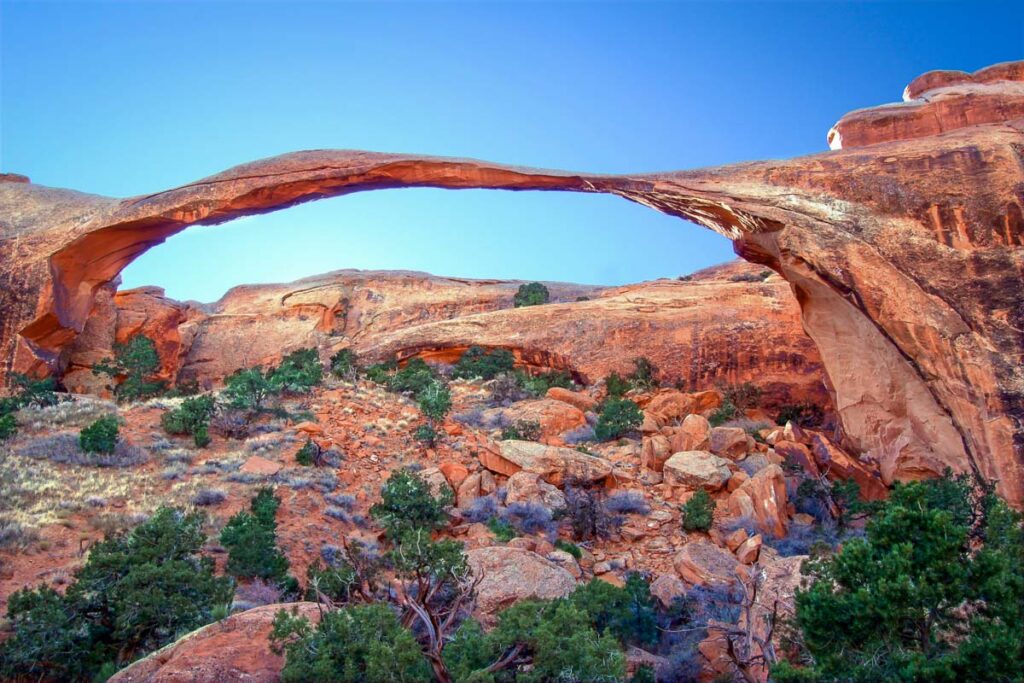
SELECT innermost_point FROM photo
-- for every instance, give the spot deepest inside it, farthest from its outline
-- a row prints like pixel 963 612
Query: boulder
pixel 234 649
pixel 576 399
pixel 667 588
pixel 261 466
pixel 696 469
pixel 762 498
pixel 554 417
pixel 749 550
pixel 508 575
pixel 527 487
pixel 694 434
pixel 454 472
pixel 436 479
pixel 655 450
pixel 554 463
pixel 840 465
pixel 730 442
pixel 669 406
pixel 702 563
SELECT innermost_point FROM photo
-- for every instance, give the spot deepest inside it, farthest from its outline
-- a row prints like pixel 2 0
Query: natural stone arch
pixel 906 257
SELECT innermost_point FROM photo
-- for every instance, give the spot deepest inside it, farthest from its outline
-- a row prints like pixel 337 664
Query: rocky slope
pixel 905 249
pixel 729 324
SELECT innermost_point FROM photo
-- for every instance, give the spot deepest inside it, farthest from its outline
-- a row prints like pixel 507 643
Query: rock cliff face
pixel 723 325
pixel 905 249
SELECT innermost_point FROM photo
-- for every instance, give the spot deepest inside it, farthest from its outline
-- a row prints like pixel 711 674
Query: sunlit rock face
pixel 728 324
pixel 905 250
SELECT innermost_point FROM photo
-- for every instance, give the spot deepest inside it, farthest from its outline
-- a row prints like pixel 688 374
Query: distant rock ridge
pixel 904 248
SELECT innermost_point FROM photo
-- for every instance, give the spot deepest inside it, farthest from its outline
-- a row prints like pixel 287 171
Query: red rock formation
pixel 906 256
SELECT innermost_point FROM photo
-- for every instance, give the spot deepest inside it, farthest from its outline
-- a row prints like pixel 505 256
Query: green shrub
pixel 100 436
pixel 502 529
pixel 435 400
pixel 358 643
pixel 134 363
pixel 616 386
pixel 299 371
pixel 414 378
pixel 136 593
pixel 251 541
pixel 476 362
pixel 191 417
pixel 33 392
pixel 426 434
pixel 345 363
pixel 247 389
pixel 539 384
pixel 627 613
pixel 533 294
pixel 8 426
pixel 522 430
pixel 307 454
pixel 381 373
pixel 644 375
pixel 618 416
pixel 570 548
pixel 743 396
pixel 407 503
pixel 723 414
pixel 934 592
pixel 698 512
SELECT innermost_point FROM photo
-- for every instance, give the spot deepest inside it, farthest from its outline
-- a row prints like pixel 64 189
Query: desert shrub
pixel 698 512
pixel 355 643
pixel 482 509
pixel 251 541
pixel 627 613
pixel 381 372
pixel 558 638
pixel 345 364
pixel 529 518
pixel 414 378
pixel 745 277
pixel 935 591
pixel 645 374
pixel 580 435
pixel 32 392
pixel 803 414
pixel 258 592
pixel 298 372
pixel 502 529
pixel 619 416
pixel 8 426
pixel 587 514
pixel 722 414
pixel 479 363
pixel 208 497
pixel 134 364
pixel 522 430
pixel 342 500
pixel 507 389
pixel 100 436
pixel 539 383
pixel 743 396
pixel 232 424
pixel 65 448
pixel 309 454
pixel 532 294
pixel 616 386
pixel 136 592
pixel 628 503
pixel 570 548
pixel 407 503
pixel 191 417
pixel 426 435
pixel 248 388
pixel 435 400
pixel 14 535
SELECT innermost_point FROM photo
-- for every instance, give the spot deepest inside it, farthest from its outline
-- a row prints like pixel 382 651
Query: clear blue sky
pixel 126 98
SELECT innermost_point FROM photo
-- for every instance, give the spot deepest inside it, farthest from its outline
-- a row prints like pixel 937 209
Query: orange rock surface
pixel 905 250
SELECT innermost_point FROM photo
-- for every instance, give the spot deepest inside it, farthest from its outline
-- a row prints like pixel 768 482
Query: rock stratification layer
pixel 905 250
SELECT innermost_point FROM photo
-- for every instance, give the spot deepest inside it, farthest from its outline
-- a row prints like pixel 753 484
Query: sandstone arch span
pixel 906 255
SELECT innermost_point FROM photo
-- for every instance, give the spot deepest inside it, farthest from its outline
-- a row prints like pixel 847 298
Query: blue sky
pixel 125 98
